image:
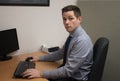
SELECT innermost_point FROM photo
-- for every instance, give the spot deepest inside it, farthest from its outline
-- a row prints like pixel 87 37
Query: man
pixel 77 54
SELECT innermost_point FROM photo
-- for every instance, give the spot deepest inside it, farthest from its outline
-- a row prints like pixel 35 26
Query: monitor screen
pixel 8 43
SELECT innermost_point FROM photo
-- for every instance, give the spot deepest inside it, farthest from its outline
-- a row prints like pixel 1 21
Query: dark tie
pixel 67 43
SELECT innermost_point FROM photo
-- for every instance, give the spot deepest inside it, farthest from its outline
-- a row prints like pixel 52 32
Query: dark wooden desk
pixel 8 67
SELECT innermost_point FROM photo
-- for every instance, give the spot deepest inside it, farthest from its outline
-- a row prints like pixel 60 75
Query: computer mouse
pixel 28 58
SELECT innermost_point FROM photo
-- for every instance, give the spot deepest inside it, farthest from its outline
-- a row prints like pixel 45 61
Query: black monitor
pixel 8 43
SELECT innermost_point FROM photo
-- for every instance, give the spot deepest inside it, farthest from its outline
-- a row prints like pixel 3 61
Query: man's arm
pixel 53 56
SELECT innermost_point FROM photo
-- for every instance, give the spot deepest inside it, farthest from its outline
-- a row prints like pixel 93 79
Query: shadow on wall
pixel 101 19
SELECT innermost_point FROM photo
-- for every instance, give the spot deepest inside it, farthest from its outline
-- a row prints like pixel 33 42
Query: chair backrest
pixel 99 56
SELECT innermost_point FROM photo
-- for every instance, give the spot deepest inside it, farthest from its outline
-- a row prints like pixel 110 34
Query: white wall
pixel 35 25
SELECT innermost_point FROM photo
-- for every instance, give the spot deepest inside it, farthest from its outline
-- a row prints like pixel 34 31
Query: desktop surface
pixel 7 68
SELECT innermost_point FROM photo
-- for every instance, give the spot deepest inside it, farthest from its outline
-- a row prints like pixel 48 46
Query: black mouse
pixel 28 58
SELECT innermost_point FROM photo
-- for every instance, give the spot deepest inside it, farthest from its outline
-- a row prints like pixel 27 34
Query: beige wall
pixel 102 19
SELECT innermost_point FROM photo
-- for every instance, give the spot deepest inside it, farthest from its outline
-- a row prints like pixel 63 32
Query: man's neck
pixel 73 30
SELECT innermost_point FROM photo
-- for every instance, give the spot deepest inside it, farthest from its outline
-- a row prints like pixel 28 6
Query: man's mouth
pixel 68 26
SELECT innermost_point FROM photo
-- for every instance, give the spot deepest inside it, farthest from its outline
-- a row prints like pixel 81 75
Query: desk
pixel 8 67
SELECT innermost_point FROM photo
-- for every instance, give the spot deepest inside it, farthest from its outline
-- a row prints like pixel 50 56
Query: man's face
pixel 70 21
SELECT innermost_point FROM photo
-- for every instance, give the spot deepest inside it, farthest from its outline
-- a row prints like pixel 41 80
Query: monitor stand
pixel 5 57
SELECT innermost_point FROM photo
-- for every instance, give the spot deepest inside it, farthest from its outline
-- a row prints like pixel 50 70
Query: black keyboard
pixel 21 67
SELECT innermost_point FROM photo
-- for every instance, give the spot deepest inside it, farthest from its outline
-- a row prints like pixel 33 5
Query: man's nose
pixel 67 21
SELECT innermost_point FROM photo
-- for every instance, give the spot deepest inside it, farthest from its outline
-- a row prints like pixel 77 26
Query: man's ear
pixel 80 18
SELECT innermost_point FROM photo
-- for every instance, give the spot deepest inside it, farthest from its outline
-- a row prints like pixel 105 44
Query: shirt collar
pixel 76 31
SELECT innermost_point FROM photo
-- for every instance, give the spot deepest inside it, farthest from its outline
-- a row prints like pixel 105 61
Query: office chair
pixel 99 56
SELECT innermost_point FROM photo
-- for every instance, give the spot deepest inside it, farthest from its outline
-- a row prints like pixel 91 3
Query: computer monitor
pixel 8 43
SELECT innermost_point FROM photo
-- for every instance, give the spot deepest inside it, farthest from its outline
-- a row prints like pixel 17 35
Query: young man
pixel 77 53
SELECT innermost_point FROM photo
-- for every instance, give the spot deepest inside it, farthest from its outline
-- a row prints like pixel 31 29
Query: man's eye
pixel 70 18
pixel 64 19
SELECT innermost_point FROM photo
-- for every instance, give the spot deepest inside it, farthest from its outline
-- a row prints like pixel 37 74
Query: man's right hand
pixel 34 58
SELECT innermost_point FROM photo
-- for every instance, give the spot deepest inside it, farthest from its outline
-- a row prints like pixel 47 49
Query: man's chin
pixel 69 31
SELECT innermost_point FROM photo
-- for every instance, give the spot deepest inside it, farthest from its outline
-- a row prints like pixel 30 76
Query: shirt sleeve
pixel 55 56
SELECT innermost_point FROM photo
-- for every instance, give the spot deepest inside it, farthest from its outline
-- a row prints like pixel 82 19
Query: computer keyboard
pixel 21 67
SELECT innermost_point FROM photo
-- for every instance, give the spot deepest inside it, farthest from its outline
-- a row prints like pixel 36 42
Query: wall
pixel 35 25
pixel 102 19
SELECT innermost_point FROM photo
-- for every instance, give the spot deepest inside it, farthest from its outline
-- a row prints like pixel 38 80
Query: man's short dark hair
pixel 73 8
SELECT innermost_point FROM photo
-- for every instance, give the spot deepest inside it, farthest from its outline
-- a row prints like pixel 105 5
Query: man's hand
pixel 32 73
pixel 34 58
